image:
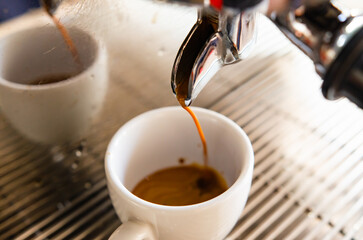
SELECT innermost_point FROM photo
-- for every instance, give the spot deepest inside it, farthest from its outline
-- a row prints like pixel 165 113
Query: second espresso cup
pixel 58 112
pixel 158 139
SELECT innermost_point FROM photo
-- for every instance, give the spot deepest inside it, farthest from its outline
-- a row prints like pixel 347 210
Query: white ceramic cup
pixel 58 112
pixel 158 139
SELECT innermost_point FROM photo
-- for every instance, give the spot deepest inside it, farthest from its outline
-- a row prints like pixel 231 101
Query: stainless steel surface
pixel 308 176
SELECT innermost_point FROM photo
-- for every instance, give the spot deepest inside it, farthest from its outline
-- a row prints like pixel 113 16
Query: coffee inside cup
pixel 181 185
pixel 44 55
pixel 48 79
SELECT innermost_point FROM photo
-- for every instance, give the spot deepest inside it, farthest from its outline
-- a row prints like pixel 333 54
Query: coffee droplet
pixel 181 160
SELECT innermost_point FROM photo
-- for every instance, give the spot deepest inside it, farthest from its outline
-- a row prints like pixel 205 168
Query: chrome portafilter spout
pixel 217 38
pixel 50 5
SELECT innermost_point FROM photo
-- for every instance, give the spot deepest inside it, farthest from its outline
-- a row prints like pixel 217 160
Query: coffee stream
pixel 72 48
pixel 200 131
pixel 68 41
pixel 181 94
pixel 67 38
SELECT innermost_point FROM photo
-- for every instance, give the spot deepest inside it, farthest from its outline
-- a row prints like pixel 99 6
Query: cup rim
pixel 99 49
pixel 243 176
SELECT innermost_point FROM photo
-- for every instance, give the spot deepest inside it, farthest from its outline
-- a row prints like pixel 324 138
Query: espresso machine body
pixel 326 32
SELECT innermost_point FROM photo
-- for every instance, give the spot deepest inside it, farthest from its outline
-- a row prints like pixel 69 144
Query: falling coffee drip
pixel 181 95
pixel 67 38
pixel 200 131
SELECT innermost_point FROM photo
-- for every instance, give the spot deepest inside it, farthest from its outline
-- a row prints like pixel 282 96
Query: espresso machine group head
pixel 224 33
pixel 327 33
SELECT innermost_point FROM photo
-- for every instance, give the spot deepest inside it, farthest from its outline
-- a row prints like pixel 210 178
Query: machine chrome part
pixel 345 76
pixel 202 32
pixel 230 38
pixel 331 36
pixel 236 4
pixel 51 5
pixel 322 29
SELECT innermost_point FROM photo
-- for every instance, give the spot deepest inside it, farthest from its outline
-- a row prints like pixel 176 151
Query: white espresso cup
pixel 158 139
pixel 58 112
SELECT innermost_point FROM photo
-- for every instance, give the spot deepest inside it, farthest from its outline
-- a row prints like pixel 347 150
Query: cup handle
pixel 134 230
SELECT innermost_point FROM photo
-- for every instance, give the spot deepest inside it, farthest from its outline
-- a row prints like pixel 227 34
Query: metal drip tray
pixel 308 176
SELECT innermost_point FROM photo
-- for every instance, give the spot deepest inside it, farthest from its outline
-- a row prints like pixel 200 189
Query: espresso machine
pixel 308 174
pixel 330 35
pixel 224 34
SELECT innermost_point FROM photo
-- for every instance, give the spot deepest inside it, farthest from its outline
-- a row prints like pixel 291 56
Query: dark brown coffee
pixel 182 185
pixel 50 79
